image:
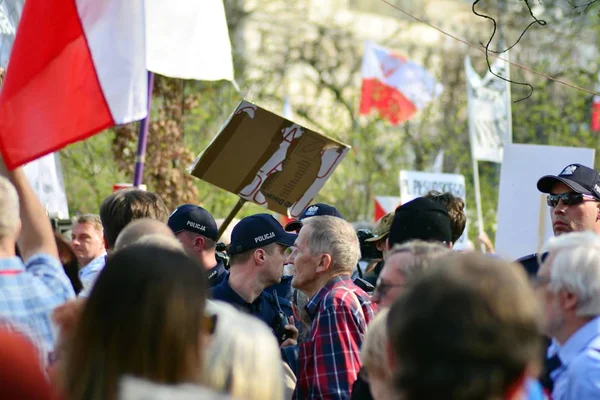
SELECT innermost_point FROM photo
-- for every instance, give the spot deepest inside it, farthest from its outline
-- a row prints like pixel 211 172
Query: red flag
pixel 595 124
pixel 77 67
pixel 394 86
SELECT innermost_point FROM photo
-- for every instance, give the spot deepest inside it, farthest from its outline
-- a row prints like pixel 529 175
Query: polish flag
pixel 595 124
pixel 77 67
pixel 395 86
pixel 385 205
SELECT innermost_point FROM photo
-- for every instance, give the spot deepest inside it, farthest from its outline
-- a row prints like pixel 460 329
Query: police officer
pixel 197 231
pixel 257 254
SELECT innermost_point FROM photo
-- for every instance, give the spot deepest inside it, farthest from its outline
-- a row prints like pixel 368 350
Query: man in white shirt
pixel 87 241
pixel 568 283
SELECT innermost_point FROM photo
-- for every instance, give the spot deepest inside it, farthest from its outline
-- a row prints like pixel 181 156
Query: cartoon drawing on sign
pixel 249 109
pixel 329 159
pixel 274 164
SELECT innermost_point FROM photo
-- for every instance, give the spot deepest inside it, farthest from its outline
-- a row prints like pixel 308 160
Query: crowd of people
pixel 142 303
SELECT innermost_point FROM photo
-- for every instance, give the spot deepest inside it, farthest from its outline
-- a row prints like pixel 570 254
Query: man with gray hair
pixel 405 262
pixel 324 255
pixel 568 283
pixel 33 285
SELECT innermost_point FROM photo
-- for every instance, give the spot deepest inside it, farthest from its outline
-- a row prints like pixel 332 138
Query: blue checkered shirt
pixel 28 295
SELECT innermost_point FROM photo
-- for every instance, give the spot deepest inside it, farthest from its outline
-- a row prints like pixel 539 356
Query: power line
pixel 543 75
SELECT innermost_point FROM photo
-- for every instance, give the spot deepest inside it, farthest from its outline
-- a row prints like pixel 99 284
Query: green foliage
pixel 324 60
pixel 89 172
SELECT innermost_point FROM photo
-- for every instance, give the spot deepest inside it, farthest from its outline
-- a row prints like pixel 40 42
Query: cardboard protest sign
pixel 415 184
pixel 269 160
pixel 524 223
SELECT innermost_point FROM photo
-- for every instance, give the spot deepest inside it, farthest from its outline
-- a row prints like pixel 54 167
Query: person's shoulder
pixel 218 291
pixel 132 388
pixel 584 375
pixel 586 365
pixel 267 296
pixel 273 300
pixel 343 296
pixel 42 259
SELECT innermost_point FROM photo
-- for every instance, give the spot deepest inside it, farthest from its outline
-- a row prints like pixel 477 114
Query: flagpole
pixel 508 100
pixel 475 167
pixel 143 137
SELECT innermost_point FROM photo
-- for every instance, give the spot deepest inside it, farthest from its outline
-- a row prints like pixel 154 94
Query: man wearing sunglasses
pixel 573 198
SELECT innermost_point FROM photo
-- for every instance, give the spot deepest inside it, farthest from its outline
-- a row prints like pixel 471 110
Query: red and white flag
pixel 77 67
pixel 385 205
pixel 395 86
pixel 595 122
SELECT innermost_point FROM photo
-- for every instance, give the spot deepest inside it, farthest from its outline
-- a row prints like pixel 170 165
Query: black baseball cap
pixel 314 210
pixel 257 231
pixel 422 219
pixel 579 178
pixel 189 217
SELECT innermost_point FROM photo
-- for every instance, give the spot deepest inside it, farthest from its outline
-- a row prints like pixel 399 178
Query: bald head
pixel 140 228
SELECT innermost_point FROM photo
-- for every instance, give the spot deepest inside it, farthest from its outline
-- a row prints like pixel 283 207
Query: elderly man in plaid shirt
pixel 324 255
pixel 33 285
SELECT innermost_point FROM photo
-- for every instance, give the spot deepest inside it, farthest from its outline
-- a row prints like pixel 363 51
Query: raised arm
pixel 36 232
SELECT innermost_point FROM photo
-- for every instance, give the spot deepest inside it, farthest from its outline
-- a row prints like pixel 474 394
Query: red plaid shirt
pixel 328 363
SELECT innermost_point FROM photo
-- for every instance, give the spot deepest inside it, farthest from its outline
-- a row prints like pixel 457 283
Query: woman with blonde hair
pixel 373 355
pixel 242 358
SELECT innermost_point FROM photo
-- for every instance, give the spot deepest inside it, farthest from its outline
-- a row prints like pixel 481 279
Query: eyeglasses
pixel 382 287
pixel 568 199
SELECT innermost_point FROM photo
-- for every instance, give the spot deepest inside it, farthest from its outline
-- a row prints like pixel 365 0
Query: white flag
pixel 45 177
pixel 287 109
pixel 188 39
pixel 489 111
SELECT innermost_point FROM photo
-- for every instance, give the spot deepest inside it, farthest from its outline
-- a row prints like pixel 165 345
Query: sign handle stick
pixel 238 206
pixel 478 201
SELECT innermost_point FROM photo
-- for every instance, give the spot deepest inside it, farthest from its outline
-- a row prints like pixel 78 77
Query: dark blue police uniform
pixel 250 233
pixel 282 289
pixel 216 274
pixel 264 307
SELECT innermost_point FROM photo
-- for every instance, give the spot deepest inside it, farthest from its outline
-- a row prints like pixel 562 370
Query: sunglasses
pixel 568 199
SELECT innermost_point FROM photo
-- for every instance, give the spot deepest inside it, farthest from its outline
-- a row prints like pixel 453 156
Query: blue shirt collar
pixel 579 341
pixel 93 266
pixel 313 304
pixel 11 263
